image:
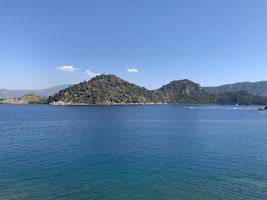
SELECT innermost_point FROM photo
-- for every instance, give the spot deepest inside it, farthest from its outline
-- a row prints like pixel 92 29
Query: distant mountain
pixel 255 88
pixel 183 91
pixel 27 99
pixel 5 94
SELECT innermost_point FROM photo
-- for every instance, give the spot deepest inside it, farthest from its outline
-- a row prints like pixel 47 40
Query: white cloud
pixel 132 70
pixel 67 68
pixel 91 74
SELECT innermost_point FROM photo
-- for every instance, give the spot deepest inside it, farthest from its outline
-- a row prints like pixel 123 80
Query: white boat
pixel 264 108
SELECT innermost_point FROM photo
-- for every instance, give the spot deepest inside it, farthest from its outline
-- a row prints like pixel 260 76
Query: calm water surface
pixel 132 152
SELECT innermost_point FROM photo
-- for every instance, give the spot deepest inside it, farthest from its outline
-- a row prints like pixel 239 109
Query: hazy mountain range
pixel 6 94
pixel 255 88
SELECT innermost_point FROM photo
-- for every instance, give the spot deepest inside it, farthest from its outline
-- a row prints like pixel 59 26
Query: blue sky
pixel 211 42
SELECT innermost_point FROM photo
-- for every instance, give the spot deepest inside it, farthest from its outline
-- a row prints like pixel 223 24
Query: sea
pixel 145 152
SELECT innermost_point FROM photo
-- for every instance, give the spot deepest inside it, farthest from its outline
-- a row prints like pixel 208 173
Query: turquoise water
pixel 132 152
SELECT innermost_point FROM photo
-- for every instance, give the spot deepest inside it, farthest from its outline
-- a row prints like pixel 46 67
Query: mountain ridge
pixel 111 89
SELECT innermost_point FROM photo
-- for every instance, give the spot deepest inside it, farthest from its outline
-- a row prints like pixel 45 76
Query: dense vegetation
pixel 104 89
pixel 109 89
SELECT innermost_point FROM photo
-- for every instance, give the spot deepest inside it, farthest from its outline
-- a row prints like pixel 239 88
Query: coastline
pixel 133 104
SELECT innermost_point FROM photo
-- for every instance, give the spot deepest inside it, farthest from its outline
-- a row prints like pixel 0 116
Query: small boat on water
pixel 264 108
